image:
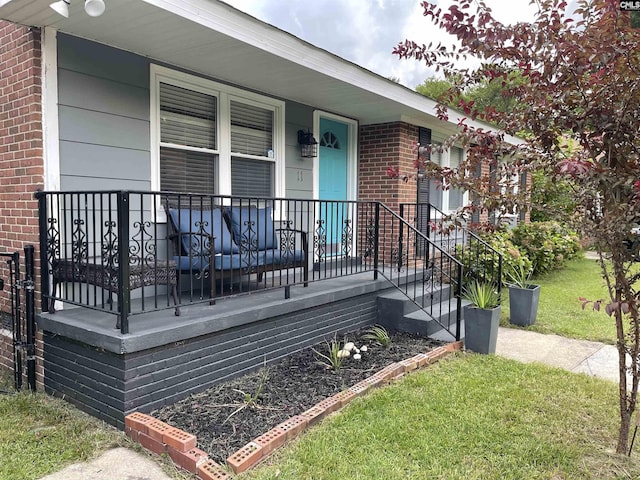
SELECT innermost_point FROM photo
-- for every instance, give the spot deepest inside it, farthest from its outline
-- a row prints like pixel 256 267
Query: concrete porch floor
pixel 161 327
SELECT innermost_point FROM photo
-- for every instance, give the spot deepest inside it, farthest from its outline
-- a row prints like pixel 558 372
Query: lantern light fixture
pixel 308 144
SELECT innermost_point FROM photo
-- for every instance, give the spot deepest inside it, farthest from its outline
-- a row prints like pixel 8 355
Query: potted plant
pixel 523 297
pixel 482 318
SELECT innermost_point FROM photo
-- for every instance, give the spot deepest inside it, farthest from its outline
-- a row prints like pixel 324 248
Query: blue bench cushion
pixel 282 257
pixel 253 227
pixel 212 223
pixel 240 261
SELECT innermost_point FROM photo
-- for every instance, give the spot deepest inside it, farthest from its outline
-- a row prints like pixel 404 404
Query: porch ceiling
pixel 212 38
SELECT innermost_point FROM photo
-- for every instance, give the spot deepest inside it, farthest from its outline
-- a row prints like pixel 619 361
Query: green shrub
pixel 481 264
pixel 547 244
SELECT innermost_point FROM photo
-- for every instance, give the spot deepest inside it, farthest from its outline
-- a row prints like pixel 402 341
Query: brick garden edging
pixel 160 437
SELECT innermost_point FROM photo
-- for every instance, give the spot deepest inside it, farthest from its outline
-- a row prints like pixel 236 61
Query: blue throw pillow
pixel 211 222
pixel 253 227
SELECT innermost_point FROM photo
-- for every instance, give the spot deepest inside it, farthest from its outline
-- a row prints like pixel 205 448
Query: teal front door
pixel 333 167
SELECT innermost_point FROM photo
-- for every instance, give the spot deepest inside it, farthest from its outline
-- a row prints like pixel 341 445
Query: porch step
pixel 430 324
pixel 395 304
pixel 397 312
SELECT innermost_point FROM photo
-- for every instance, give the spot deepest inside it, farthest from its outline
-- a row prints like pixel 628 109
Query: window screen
pixel 252 178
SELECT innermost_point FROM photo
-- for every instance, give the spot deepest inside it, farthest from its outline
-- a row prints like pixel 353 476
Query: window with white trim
pixel 211 138
pixel 449 199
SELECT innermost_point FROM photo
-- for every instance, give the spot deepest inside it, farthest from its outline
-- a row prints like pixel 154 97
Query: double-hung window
pixel 252 166
pixel 447 199
pixel 210 138
pixel 188 140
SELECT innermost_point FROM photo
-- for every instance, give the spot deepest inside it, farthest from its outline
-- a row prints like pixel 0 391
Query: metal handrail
pixel 417 275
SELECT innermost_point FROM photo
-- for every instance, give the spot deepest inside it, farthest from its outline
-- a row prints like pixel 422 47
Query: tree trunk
pixel 623 433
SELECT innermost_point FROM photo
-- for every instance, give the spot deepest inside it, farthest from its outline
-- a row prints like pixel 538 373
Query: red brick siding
pixel 21 143
pixel 383 146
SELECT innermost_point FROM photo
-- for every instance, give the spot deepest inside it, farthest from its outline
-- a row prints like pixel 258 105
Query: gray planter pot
pixel 523 304
pixel 481 329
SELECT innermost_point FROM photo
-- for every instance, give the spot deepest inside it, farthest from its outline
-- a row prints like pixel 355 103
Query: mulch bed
pixel 224 420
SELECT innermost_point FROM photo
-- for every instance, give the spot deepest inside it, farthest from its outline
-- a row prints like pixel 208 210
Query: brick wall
pixel 383 146
pixel 21 144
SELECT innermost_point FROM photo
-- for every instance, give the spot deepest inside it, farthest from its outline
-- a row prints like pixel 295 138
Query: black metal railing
pixel 425 272
pixel 481 261
pixel 130 252
pixel 21 298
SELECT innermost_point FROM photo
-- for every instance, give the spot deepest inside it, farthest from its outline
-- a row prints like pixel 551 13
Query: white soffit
pixel 214 39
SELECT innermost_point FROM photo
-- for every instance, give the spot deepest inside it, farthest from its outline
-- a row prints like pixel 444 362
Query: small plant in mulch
pixel 229 415
pixel 334 357
pixel 379 335
pixel 337 354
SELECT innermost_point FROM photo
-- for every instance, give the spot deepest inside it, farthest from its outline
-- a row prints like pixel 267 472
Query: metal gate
pixel 21 296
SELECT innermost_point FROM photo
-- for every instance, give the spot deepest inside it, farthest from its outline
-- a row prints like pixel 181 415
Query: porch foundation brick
pixel 454 346
pixel 138 421
pixel 151 444
pixel 314 415
pixel 293 426
pixel 210 470
pixel 189 460
pixel 178 439
pixel 156 429
pixel 344 397
pixel 245 458
pixel 271 440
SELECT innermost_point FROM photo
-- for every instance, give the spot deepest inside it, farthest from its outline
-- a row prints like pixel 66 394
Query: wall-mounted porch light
pixel 61 7
pixel 308 144
pixel 94 8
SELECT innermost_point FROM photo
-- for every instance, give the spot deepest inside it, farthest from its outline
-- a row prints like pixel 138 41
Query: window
pixel 188 134
pixel 456 196
pixel 251 138
pixel 452 198
pixel 211 138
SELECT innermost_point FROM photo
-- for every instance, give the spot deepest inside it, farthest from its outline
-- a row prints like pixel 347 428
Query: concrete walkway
pixel 578 356
pixel 115 464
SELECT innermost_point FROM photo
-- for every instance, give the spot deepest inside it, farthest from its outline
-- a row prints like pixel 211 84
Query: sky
pixel 366 31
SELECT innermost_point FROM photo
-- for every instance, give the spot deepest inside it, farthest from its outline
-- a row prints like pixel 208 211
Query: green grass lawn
pixel 561 312
pixel 41 434
pixel 468 417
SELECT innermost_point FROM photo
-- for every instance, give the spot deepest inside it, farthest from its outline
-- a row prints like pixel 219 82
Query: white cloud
pixel 365 32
